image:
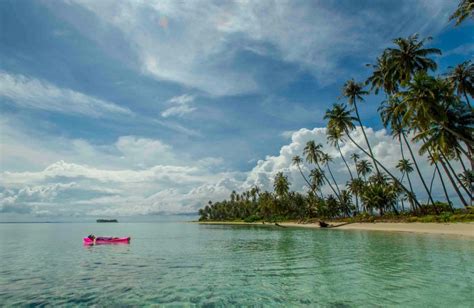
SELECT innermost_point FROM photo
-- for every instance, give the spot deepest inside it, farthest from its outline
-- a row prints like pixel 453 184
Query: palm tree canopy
pixel 382 73
pixel 281 184
pixel 313 152
pixel 405 166
pixel 317 177
pixel 326 158
pixel 461 78
pixel 391 113
pixel 465 9
pixel 355 157
pixel 339 119
pixel 410 57
pixel 364 167
pixel 353 91
pixel 356 186
pixel 296 160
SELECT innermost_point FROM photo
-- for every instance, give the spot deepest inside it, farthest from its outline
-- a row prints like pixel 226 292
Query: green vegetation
pixel 432 110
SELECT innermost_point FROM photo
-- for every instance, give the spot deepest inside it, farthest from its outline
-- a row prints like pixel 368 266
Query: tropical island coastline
pixel 464 229
pixel 427 112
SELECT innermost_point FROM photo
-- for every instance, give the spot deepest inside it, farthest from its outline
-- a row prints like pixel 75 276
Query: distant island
pixel 107 220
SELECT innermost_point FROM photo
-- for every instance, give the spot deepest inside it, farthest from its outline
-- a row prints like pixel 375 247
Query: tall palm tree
pixel 281 184
pixel 461 77
pixel 406 167
pixel 296 160
pixel 394 178
pixel 313 153
pixel 354 92
pixel 325 160
pixel 317 180
pixel 427 101
pixel 391 113
pixel 410 57
pixel 342 121
pixel 364 168
pixel 382 75
pixel 355 157
pixel 465 9
pixel 356 187
pixel 334 137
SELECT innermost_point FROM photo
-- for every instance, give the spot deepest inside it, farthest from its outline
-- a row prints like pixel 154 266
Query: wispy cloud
pixel 201 43
pixel 27 92
pixel 180 106
pixel 464 49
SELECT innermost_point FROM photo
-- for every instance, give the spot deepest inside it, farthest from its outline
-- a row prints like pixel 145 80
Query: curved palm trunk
pixel 432 180
pixel 304 177
pixel 469 143
pixel 454 184
pixel 365 137
pixel 467 153
pixel 344 160
pixel 467 100
pixel 462 163
pixel 327 181
pixel 408 175
pixel 333 179
pixel 441 179
pixel 456 177
pixel 403 203
pixel 385 169
pixel 417 168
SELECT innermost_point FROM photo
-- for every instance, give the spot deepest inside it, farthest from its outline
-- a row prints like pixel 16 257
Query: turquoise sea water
pixel 186 264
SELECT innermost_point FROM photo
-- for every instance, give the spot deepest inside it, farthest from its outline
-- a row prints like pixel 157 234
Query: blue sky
pixel 194 93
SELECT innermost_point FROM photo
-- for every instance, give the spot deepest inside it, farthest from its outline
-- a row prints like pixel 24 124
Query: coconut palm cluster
pixel 418 106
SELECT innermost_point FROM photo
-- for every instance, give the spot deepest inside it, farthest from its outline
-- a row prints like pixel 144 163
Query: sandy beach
pixel 459 229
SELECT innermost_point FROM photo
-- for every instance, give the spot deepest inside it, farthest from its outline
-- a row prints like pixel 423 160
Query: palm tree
pixel 297 161
pixel 464 10
pixel 467 179
pixel 461 77
pixel 391 113
pixel 281 184
pixel 410 57
pixel 342 121
pixel 382 75
pixel 406 167
pixel 325 160
pixel 364 168
pixel 394 178
pixel 317 180
pixel 334 137
pixel 356 187
pixel 354 91
pixel 313 153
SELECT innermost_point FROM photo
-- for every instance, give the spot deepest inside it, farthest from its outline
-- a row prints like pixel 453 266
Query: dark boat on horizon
pixel 107 220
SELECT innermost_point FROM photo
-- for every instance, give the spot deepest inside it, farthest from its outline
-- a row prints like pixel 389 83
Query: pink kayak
pixel 106 240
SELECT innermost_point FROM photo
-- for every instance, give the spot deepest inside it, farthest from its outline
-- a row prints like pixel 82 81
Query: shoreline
pixel 459 229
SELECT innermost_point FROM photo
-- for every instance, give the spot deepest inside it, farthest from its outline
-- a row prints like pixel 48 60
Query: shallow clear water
pixel 185 264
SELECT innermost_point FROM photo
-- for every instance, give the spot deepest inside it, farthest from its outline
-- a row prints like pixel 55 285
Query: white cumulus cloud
pixel 124 179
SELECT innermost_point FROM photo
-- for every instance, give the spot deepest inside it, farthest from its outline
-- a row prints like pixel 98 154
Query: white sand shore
pixel 459 229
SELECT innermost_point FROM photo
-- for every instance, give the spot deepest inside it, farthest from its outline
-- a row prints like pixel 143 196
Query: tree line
pixel 418 107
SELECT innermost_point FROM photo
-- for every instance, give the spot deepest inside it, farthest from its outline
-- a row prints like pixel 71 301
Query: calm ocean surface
pixel 186 264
